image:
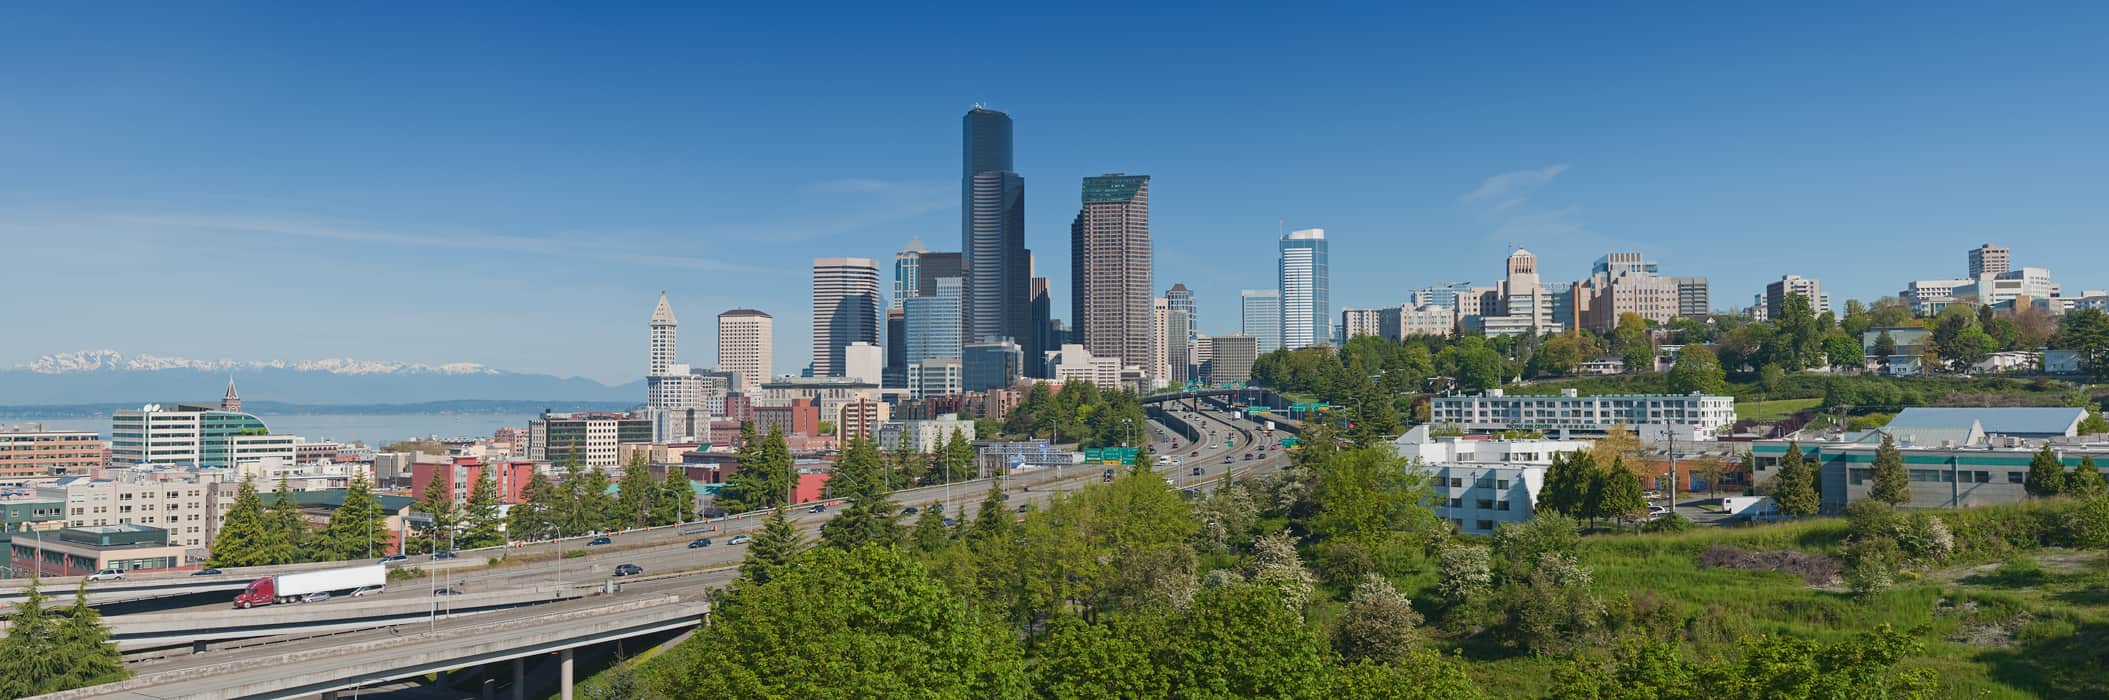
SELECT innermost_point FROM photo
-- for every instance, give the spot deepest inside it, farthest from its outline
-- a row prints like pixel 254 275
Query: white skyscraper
pixel 1306 312
pixel 663 337
pixel 745 345
pixel 845 310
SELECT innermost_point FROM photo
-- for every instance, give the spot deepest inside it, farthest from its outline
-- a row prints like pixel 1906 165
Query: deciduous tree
pixel 1892 485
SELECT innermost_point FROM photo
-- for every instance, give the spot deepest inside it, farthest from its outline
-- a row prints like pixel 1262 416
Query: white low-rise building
pixel 923 435
pixel 1688 415
pixel 1479 484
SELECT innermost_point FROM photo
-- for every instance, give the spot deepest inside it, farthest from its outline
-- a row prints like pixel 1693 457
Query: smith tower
pixel 992 233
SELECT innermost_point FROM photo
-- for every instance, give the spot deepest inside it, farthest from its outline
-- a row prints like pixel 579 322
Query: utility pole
pixel 1673 469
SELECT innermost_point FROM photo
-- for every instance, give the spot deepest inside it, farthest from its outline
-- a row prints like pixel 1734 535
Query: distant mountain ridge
pixel 107 376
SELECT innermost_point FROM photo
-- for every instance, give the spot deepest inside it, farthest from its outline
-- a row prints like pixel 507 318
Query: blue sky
pixel 512 185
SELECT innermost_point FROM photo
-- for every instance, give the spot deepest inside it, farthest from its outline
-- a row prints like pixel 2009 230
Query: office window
pixel 2016 477
pixel 1484 524
pixel 1983 477
pixel 1501 505
pixel 1501 484
pixel 1457 503
pixel 1485 504
pixel 1457 482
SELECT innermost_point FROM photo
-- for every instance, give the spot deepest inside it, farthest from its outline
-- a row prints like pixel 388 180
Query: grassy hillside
pixel 1998 623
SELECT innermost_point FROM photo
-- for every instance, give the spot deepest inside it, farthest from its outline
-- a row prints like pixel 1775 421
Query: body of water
pixel 374 430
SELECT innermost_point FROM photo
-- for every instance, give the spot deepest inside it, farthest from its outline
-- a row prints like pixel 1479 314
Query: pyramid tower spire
pixel 232 402
pixel 663 338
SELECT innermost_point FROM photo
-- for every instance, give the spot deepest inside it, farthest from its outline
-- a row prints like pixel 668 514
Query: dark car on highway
pixel 699 544
pixel 598 541
pixel 442 555
pixel 206 572
pixel 628 569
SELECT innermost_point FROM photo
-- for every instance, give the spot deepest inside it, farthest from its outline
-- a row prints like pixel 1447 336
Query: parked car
pixel 442 555
pixel 315 597
pixel 739 539
pixel 598 541
pixel 1655 510
pixel 628 570
pixel 107 575
pixel 699 544
pixel 393 558
pixel 206 572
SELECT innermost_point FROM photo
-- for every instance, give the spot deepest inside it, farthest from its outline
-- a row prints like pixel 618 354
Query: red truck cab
pixel 263 591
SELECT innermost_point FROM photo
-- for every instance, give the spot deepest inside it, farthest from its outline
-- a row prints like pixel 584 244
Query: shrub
pixel 1467 572
pixel 2088 523
pixel 1925 537
pixel 1668 523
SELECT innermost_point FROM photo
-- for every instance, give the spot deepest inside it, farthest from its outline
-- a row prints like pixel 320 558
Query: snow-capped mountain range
pixel 108 376
pixel 112 360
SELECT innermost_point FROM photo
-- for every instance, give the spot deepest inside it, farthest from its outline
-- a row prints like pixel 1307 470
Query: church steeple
pixel 232 402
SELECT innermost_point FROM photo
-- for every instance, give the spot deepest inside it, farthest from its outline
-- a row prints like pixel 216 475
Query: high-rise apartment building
pixel 1306 310
pixel 1231 357
pixel 1694 297
pixel 933 323
pixel 1988 260
pixel 1776 294
pixel 1110 250
pixel 1160 364
pixel 845 309
pixel 992 231
pixel 745 345
pixel 1262 317
pixel 1443 295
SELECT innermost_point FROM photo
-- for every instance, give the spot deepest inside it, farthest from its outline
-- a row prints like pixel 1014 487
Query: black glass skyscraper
pixel 992 233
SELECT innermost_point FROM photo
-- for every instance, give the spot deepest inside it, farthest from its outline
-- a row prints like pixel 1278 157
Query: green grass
pixel 2034 626
pixel 1773 410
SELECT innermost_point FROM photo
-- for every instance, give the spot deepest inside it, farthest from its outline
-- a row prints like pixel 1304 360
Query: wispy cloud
pixel 576 245
pixel 1510 190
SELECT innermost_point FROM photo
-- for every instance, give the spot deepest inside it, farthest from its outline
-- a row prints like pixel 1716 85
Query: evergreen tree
pixel 596 508
pixel 2046 475
pixel 86 655
pixel 31 659
pixel 1566 485
pixel 532 517
pixel 990 520
pixel 1620 494
pixel 959 458
pixel 243 539
pixel 437 532
pixel 676 498
pixel 636 494
pixel 764 478
pixel 479 517
pixel 773 550
pixel 2085 481
pixel 354 530
pixel 288 528
pixel 1892 483
pixel 1795 490
pixel 869 519
pixel 931 534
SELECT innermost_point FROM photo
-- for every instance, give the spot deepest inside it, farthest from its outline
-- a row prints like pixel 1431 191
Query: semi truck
pixel 288 588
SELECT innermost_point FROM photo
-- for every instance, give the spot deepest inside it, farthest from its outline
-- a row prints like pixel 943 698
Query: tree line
pixel 580 502
pixel 253 534
pixel 1081 413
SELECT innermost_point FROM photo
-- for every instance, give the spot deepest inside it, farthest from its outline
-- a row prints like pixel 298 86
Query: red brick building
pixel 459 474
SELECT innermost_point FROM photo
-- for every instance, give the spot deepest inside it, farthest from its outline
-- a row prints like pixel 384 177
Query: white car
pixel 367 591
pixel 107 575
pixel 1655 510
pixel 739 539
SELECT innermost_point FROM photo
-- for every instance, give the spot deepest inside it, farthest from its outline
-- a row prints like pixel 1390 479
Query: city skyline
pixel 535 216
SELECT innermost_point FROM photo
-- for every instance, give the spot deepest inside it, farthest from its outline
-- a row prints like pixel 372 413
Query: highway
pixel 663 553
